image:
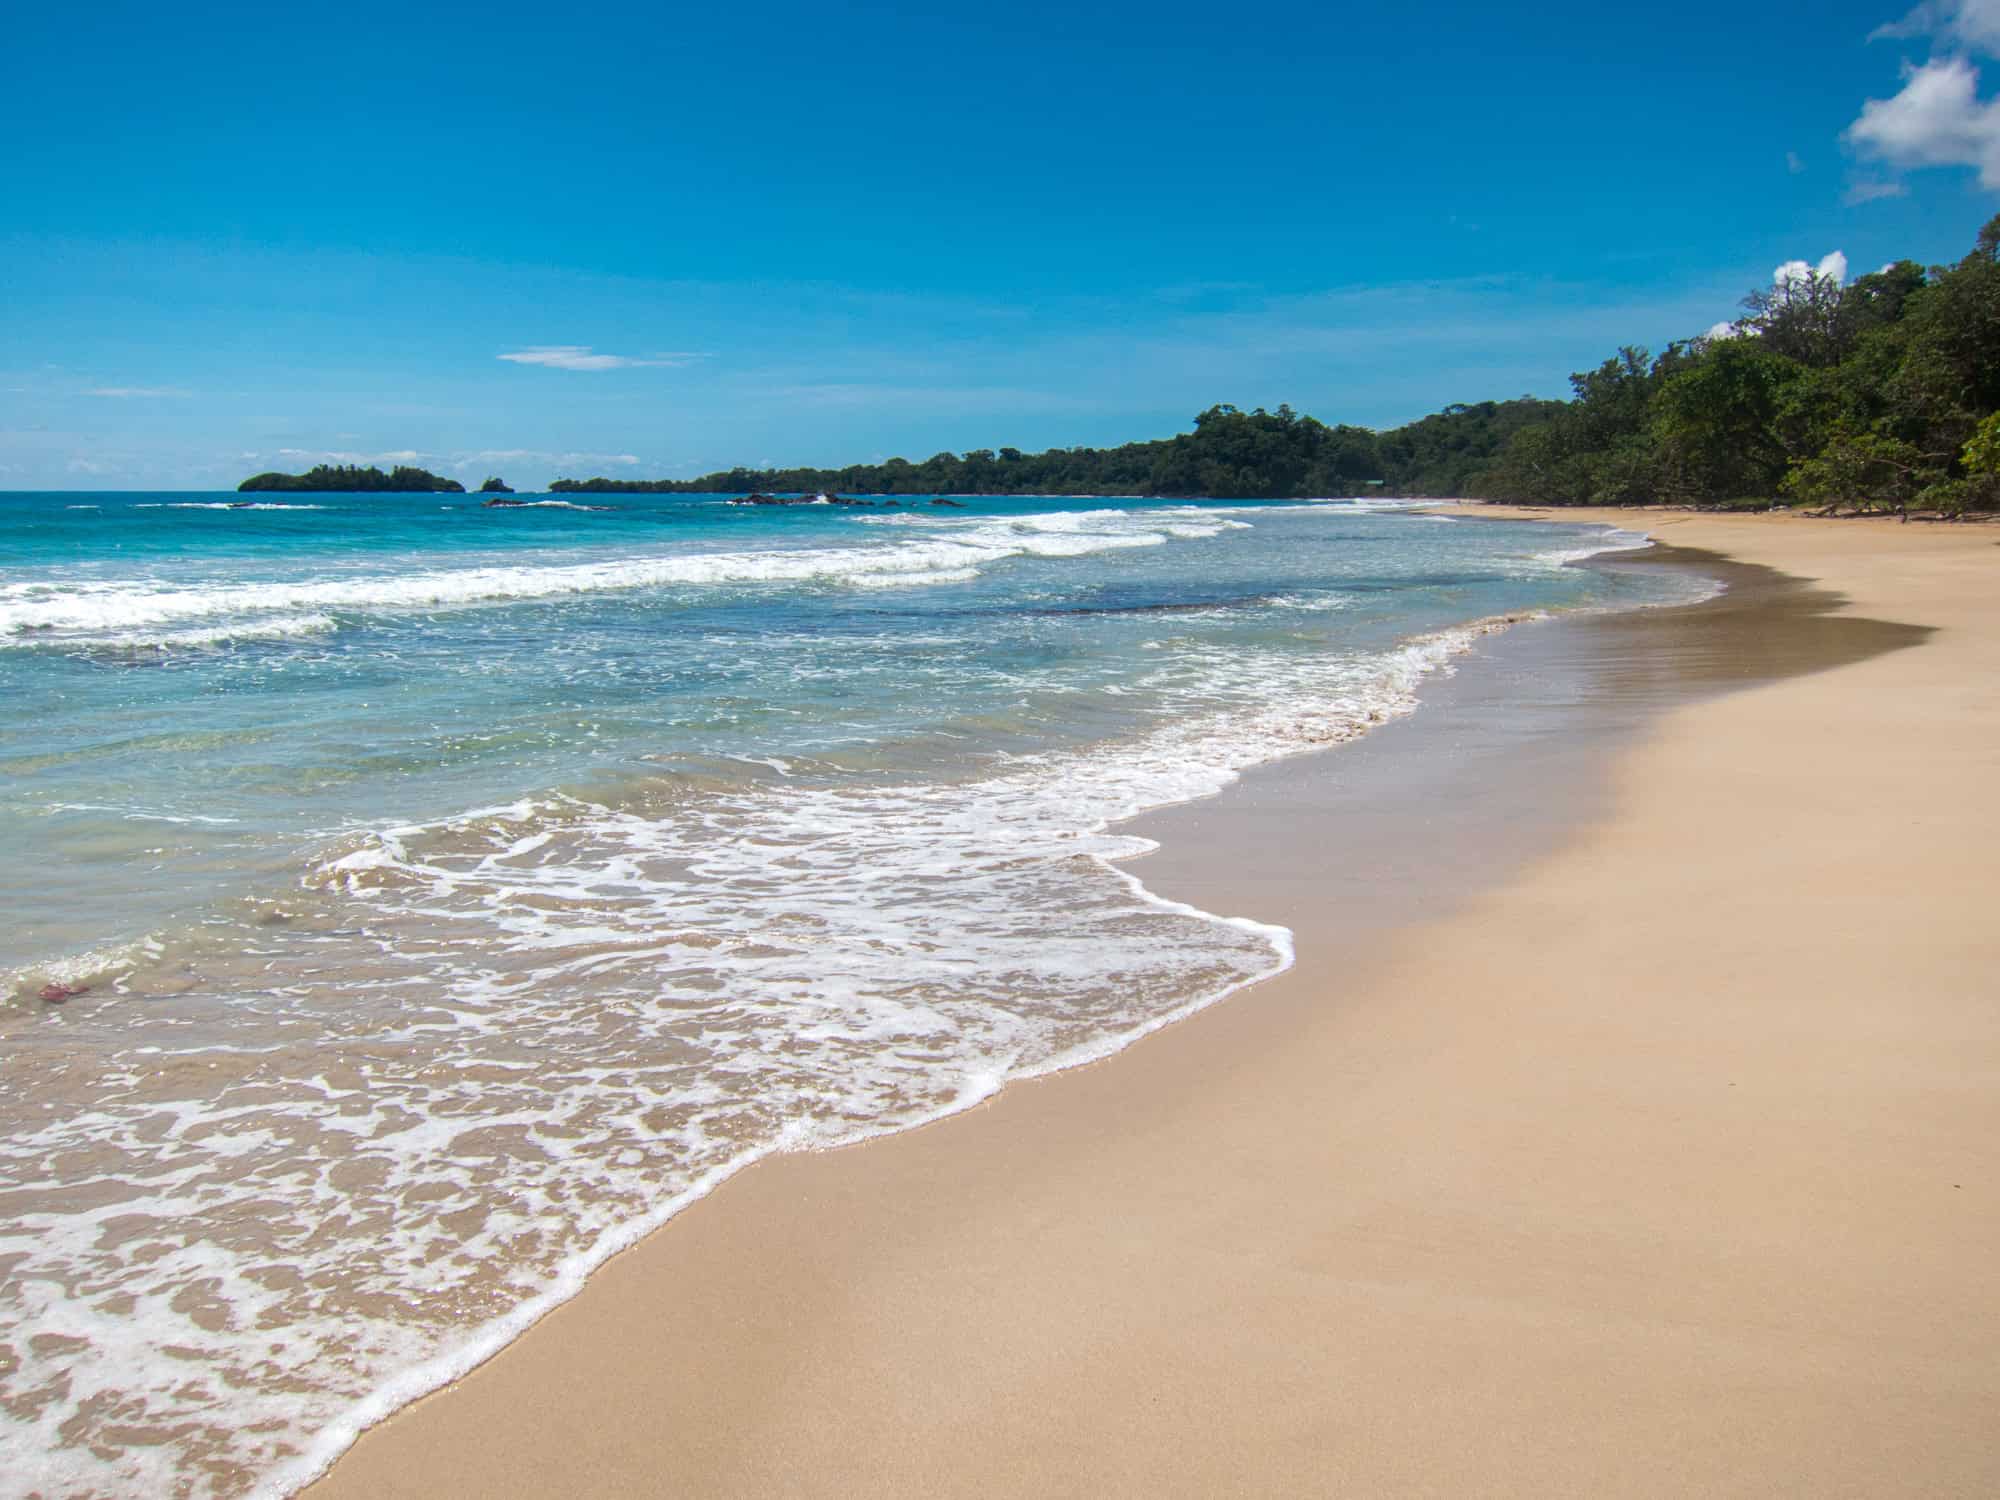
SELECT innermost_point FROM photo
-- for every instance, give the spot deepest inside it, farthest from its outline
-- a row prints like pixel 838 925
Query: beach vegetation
pixel 1870 395
pixel 1866 471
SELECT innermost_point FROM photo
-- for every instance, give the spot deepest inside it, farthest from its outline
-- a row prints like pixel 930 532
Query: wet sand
pixel 1628 1125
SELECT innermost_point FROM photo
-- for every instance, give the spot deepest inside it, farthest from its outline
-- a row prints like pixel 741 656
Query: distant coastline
pixel 1880 394
pixel 1231 454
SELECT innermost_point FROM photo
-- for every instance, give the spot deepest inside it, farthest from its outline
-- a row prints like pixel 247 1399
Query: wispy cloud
pixel 342 456
pixel 1921 21
pixel 138 392
pixel 1869 192
pixel 1969 23
pixel 1794 163
pixel 489 456
pixel 323 456
pixel 583 357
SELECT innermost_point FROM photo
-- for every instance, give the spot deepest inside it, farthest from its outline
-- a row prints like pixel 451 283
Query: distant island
pixel 1878 394
pixel 495 485
pixel 350 479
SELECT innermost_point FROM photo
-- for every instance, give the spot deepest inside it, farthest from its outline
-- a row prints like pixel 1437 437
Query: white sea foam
pixel 208 637
pixel 45 612
pixel 235 505
pixel 559 1023
pixel 1610 540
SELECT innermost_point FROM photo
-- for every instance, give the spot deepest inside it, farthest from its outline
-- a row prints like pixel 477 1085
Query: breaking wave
pixel 56 613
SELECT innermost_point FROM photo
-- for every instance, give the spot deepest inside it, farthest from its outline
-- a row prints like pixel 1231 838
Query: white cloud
pixel 498 456
pixel 339 456
pixel 1977 24
pixel 1867 192
pixel 582 357
pixel 1937 119
pixel 137 392
pixel 1970 23
pixel 1723 331
pixel 1794 163
pixel 1833 265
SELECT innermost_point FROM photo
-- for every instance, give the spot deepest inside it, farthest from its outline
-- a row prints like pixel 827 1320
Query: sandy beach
pixel 1628 1126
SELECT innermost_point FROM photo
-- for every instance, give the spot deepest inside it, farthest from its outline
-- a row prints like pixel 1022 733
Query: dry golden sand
pixel 1664 1165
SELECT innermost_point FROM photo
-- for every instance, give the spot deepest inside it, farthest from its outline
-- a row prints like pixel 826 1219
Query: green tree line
pixel 1881 393
pixel 1231 454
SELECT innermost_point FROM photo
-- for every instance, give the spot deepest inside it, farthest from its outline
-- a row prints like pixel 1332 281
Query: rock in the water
pixel 502 504
pixel 55 994
pixel 956 504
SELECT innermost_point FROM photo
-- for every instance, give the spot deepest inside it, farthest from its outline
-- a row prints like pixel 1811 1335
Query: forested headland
pixel 1230 454
pixel 351 479
pixel 1879 393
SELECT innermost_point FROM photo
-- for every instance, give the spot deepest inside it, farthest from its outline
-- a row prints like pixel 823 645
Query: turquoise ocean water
pixel 453 893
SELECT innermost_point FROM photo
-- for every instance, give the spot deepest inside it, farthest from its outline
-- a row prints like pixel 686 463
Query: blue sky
pixel 659 240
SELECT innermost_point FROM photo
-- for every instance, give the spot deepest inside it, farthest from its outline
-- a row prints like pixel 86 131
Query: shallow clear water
pixel 459 891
